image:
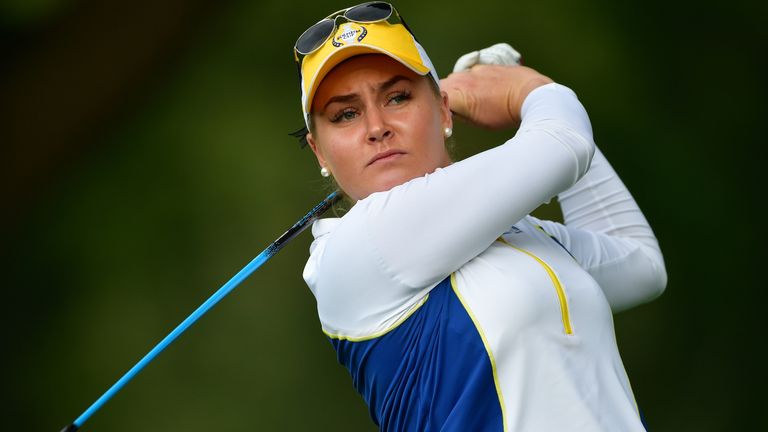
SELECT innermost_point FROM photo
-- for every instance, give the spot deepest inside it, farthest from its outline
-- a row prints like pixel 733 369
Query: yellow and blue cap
pixel 351 39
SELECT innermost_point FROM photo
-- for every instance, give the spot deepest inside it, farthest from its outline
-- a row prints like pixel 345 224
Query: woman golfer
pixel 452 309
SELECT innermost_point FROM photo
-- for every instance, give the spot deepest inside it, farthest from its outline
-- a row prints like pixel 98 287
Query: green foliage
pixel 197 175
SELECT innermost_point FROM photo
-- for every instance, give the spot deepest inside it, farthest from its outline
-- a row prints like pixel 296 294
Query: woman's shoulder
pixel 322 228
pixel 356 294
pixel 321 231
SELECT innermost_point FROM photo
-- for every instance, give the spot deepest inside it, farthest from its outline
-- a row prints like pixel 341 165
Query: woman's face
pixel 377 125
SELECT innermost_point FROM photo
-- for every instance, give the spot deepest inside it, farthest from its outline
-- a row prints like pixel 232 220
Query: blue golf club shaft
pixel 243 274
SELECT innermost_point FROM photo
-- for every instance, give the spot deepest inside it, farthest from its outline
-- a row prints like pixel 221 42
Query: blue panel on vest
pixel 431 373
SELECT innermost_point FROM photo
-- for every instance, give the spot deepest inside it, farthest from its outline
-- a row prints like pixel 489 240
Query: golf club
pixel 243 274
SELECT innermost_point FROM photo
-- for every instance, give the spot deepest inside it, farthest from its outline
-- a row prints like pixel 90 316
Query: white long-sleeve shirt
pixel 454 310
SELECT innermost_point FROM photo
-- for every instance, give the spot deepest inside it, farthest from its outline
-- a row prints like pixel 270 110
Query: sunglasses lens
pixel 315 36
pixel 369 12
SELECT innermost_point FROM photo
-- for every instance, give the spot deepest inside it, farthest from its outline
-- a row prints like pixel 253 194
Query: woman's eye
pixel 399 97
pixel 344 115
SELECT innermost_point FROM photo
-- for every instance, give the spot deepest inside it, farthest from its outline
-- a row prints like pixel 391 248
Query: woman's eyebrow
pixel 341 99
pixel 354 96
pixel 392 81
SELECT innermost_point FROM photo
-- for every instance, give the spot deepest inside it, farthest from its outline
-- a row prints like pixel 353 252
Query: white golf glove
pixel 499 54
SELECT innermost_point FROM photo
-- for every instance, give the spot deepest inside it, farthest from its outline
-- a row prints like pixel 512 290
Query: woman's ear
pixel 445 110
pixel 313 145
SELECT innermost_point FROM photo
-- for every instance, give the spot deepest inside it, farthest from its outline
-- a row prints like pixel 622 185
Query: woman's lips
pixel 386 156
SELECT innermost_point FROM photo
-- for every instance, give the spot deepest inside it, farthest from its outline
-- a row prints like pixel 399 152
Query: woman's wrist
pixel 492 96
pixel 516 101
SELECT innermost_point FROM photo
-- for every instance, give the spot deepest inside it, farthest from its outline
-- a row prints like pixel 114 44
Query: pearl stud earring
pixel 447 132
pixel 324 172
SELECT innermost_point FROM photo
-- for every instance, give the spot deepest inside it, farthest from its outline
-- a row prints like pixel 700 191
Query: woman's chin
pixel 390 180
pixel 385 179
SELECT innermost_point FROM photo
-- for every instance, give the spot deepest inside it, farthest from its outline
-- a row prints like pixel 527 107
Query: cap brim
pixel 353 39
pixel 349 51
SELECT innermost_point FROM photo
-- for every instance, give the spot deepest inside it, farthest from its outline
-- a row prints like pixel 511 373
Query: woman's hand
pixel 491 96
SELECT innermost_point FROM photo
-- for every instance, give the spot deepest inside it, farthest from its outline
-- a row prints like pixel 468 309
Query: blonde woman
pixel 450 306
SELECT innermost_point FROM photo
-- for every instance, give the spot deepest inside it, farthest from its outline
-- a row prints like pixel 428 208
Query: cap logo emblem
pixel 349 33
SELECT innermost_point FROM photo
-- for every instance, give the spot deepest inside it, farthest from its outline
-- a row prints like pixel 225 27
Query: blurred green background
pixel 145 159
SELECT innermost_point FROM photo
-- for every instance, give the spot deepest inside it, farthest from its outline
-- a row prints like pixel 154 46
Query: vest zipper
pixel 556 282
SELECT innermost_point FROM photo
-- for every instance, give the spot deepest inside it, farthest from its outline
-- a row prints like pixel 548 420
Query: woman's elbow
pixel 642 277
pixel 656 282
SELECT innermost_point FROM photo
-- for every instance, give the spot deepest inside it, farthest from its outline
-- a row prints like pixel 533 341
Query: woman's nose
pixel 378 129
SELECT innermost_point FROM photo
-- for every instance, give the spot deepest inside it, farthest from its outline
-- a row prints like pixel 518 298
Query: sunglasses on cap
pixel 366 13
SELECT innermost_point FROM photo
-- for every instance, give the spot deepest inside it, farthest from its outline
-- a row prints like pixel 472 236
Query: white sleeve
pixel 393 246
pixel 606 232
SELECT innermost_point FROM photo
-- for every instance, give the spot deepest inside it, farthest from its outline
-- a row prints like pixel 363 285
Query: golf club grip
pixel 304 222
